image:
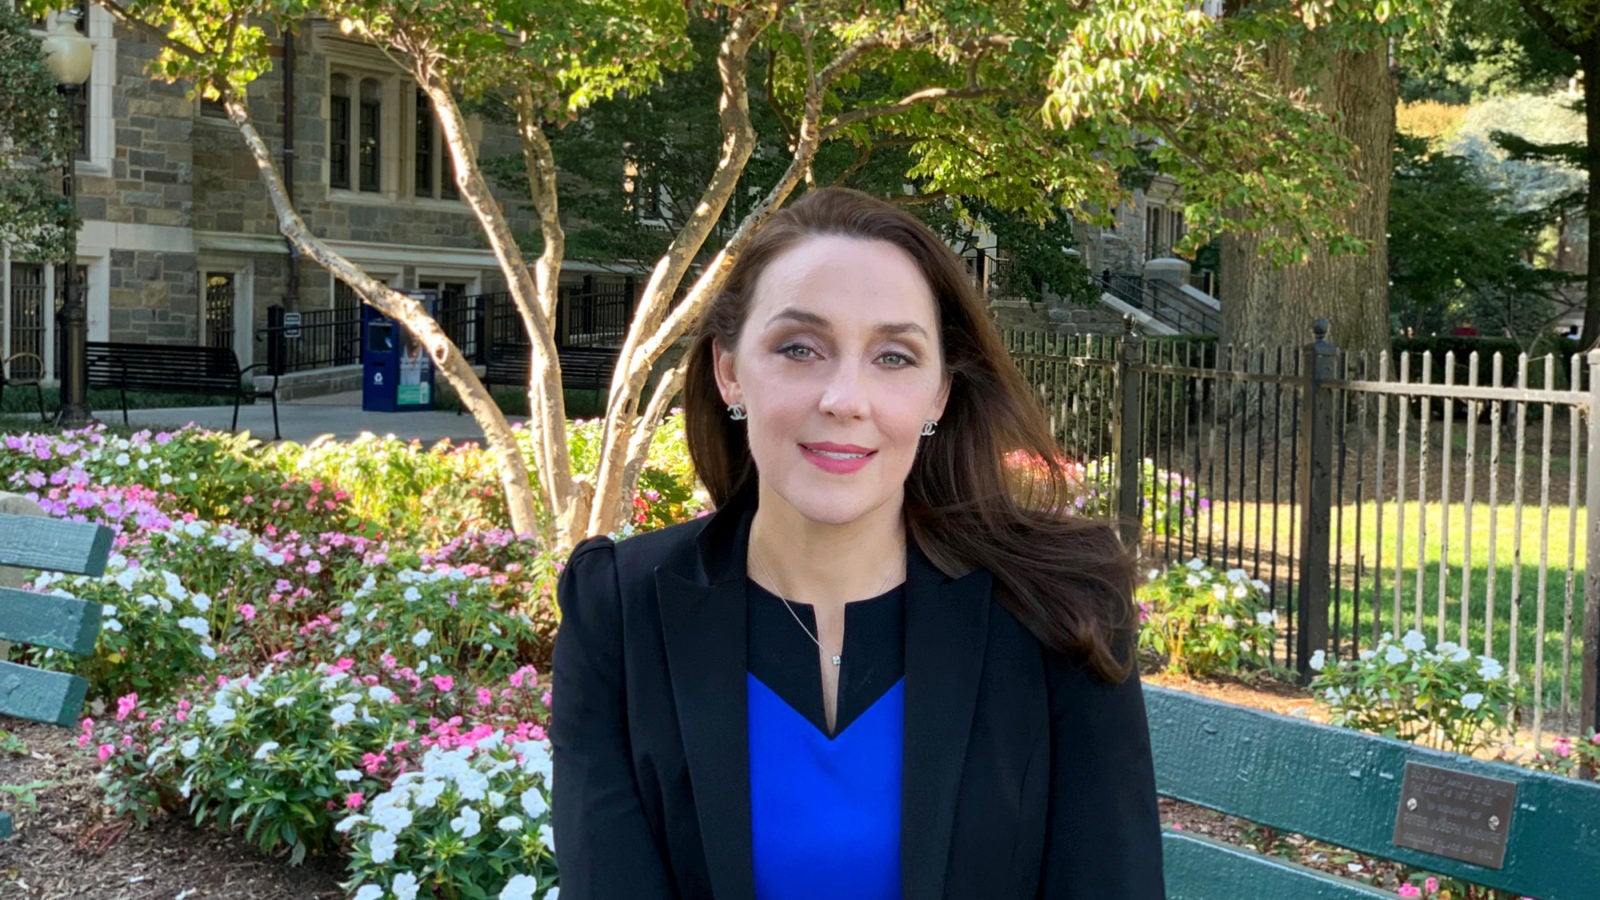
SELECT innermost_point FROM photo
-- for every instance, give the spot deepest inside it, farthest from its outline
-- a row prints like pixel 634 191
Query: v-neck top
pixel 825 809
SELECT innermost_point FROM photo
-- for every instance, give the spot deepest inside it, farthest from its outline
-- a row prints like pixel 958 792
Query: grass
pixel 21 401
pixel 1370 558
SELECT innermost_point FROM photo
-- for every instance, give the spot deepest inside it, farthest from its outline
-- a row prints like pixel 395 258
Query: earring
pixel 929 427
pixel 736 412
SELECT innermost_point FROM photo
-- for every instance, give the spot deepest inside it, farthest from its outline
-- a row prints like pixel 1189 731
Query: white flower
pixel 221 715
pixel 383 848
pixel 1318 660
pixel 265 749
pixel 283 701
pixel 380 694
pixel 1192 581
pixel 1261 586
pixel 348 774
pixel 195 624
pixel 422 638
pixel 343 714
pixel 200 602
pixel 1267 617
pixel 1229 621
pixel 392 819
pixel 1414 641
pixel 1472 700
pixel 468 824
pixel 111 625
pixel 1489 668
pixel 122 459
pixel 547 837
pixel 189 748
pixel 1235 576
pixel 533 803
pixel 1240 591
pixel 348 609
pixel 1219 591
pixel 520 887
pixel 428 793
pixel 510 824
pixel 1394 655
pixel 412 595
pixel 369 892
pixel 349 822
pixel 404 886
pixel 207 652
pixel 472 784
pixel 1195 564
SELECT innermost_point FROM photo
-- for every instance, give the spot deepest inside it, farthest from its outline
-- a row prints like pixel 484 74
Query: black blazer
pixel 1024 775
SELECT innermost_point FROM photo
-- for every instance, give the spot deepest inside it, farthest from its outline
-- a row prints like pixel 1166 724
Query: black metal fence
pixel 593 314
pixel 1370 493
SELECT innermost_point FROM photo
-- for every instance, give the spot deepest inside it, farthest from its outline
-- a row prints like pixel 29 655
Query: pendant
pixel 837 659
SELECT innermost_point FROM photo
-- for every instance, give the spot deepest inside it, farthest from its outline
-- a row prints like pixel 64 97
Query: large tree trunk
pixel 1590 60
pixel 1268 305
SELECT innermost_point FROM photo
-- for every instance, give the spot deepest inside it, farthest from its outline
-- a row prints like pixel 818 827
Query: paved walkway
pixel 337 415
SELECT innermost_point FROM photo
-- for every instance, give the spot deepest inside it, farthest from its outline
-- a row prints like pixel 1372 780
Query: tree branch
pixel 1564 38
pixel 916 98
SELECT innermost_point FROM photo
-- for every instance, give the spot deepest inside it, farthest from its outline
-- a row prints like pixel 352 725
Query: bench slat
pixel 34 542
pixel 45 620
pixel 1343 786
pixel 53 697
pixel 5 826
pixel 1199 868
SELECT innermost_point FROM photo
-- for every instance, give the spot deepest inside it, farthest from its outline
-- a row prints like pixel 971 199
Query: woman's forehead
pixel 835 281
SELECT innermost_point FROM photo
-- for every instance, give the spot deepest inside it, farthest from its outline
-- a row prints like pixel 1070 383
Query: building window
pixel 433 171
pixel 218 312
pixel 355 128
pixel 339 133
pixel 369 123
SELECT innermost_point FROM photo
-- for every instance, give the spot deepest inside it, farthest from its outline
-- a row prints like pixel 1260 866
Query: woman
pixel 887 666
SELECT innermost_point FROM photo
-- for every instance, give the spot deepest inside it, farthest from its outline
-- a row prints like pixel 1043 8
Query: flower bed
pixel 333 649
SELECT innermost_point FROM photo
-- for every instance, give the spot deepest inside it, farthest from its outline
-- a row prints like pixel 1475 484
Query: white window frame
pixel 244 306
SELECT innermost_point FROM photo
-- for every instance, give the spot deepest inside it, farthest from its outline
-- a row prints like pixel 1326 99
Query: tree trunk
pixel 1590 60
pixel 512 469
pixel 1267 305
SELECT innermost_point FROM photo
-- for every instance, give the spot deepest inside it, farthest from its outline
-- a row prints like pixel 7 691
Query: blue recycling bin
pixel 397 375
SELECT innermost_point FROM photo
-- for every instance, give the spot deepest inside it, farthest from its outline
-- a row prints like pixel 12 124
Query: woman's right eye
pixel 797 351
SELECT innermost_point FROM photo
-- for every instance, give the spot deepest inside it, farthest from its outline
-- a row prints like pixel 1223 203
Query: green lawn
pixel 1515 589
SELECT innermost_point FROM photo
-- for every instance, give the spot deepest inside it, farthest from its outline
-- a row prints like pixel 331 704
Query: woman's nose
pixel 845 395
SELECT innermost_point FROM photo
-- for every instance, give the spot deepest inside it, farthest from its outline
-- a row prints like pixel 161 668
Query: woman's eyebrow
pixel 805 317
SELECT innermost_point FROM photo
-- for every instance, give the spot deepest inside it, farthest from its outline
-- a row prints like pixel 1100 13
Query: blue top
pixel 825 809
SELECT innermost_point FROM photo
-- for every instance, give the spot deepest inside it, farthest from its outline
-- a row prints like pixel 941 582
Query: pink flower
pixel 126 705
pixel 444 683
pixel 1430 885
pixel 105 751
pixel 247 611
pixel 1409 890
pixel 485 696
pixel 354 801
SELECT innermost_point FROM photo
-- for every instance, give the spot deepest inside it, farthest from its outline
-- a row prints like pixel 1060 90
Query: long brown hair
pixel 969 503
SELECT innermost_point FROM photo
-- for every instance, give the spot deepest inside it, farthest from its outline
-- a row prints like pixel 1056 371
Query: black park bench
pixel 582 368
pixel 1534 833
pixel 43 620
pixel 175 369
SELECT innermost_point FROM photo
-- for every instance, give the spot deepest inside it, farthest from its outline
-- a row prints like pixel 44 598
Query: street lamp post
pixel 68 55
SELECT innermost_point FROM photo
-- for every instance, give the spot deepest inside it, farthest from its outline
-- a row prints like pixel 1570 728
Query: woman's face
pixel 838 365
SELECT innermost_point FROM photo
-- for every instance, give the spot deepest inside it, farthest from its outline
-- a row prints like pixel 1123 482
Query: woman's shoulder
pixel 640 553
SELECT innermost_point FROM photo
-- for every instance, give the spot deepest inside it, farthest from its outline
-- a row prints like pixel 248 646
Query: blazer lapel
pixel 946 633
pixel 703 627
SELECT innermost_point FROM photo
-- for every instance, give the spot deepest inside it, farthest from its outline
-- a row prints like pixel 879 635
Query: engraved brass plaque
pixel 1456 815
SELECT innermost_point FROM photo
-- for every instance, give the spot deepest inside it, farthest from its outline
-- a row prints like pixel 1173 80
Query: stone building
pixel 179 243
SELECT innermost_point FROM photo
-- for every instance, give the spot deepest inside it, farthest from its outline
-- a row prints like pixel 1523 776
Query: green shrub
pixel 1202 622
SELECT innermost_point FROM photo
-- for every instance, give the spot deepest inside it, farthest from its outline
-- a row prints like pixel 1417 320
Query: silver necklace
pixel 837 657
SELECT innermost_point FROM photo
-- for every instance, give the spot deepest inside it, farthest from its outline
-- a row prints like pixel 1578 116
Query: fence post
pixel 1316 492
pixel 1589 711
pixel 1125 436
pixel 275 349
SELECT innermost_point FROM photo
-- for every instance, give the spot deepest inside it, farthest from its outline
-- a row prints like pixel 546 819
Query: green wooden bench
pixel 1345 787
pixel 41 620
